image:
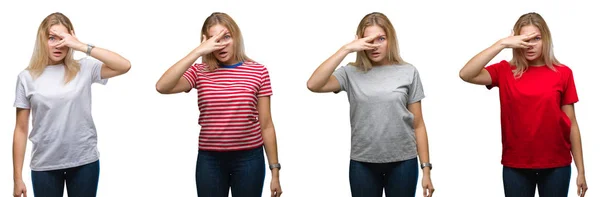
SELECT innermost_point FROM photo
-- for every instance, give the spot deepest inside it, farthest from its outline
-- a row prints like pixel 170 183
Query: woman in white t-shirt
pixel 56 90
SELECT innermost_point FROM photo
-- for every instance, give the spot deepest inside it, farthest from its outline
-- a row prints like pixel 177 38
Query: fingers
pixel 355 37
pixel 372 46
pixel 61 44
pixel 55 33
pixel 220 35
pixel 372 37
pixel 531 35
pixel 203 38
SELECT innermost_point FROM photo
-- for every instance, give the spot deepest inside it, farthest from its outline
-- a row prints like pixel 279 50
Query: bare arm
pixel 172 81
pixel 420 134
pixel 322 80
pixel 422 146
pixel 270 141
pixel 268 132
pixel 114 64
pixel 474 72
pixel 19 146
pixel 576 147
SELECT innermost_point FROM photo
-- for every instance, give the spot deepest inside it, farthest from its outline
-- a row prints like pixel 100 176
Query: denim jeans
pixel 242 171
pixel 552 182
pixel 81 181
pixel 398 179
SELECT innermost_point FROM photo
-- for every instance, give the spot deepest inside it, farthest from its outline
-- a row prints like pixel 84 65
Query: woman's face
pixel 379 55
pixel 57 55
pixel 224 55
pixel 533 53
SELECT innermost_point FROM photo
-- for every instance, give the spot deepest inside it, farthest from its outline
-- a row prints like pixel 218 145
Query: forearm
pixel 576 148
pixel 110 59
pixel 321 75
pixel 478 62
pixel 270 141
pixel 423 147
pixel 19 147
pixel 170 78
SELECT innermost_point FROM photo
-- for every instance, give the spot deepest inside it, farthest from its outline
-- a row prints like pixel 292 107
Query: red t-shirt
pixel 535 131
pixel 228 100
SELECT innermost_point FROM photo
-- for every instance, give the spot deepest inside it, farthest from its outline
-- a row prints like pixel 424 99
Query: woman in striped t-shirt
pixel 235 117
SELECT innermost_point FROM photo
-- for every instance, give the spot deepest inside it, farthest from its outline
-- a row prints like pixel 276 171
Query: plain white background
pixel 148 141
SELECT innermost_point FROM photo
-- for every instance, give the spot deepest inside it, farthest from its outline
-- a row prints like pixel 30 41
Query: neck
pixel 537 62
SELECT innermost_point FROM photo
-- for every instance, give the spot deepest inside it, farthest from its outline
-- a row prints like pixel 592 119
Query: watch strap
pixel 277 165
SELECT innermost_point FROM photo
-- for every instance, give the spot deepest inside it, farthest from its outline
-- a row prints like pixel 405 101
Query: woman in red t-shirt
pixel 235 112
pixel 537 94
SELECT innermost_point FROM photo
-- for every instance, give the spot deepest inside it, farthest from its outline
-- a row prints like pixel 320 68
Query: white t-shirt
pixel 63 131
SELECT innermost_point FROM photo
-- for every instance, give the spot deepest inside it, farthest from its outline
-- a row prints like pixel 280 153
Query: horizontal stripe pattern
pixel 228 100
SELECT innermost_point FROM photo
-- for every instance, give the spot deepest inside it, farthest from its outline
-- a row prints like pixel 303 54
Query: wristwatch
pixel 423 165
pixel 277 165
pixel 89 49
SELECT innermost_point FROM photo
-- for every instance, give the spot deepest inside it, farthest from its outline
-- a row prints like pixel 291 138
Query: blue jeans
pixel 399 179
pixel 243 171
pixel 81 181
pixel 552 182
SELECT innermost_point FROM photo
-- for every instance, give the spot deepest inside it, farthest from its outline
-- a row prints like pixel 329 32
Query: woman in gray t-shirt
pixel 388 131
pixel 56 90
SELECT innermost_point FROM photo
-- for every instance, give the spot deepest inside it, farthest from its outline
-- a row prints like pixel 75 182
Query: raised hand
pixel 362 44
pixel 212 44
pixel 68 40
pixel 519 41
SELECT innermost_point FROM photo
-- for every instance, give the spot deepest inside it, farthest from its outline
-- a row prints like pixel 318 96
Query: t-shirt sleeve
pixel 342 78
pixel 494 70
pixel 191 74
pixel 415 92
pixel 569 95
pixel 265 84
pixel 21 100
pixel 94 68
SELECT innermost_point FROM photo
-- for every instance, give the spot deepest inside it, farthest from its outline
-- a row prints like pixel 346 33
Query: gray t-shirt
pixel 382 126
pixel 63 133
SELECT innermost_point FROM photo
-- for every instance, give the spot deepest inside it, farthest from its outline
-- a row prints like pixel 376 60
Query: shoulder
pixel 563 68
pixel 24 75
pixel 254 64
pixel 254 67
pixel 88 62
pixel 199 67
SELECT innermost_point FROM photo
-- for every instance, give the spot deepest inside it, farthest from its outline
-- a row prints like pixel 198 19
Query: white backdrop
pixel 148 141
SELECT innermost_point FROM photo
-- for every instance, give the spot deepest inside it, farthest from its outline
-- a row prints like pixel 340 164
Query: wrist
pixel 345 50
pixel 500 44
pixel 82 47
pixel 275 173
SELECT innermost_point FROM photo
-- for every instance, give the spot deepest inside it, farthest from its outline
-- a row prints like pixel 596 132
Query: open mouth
pixel 375 54
pixel 222 54
pixel 57 53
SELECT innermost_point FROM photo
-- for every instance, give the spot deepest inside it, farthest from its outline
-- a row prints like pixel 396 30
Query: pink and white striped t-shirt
pixel 228 100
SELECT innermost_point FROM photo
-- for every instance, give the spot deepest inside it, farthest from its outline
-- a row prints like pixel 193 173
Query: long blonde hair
pixel 239 54
pixel 41 56
pixel 393 53
pixel 519 59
